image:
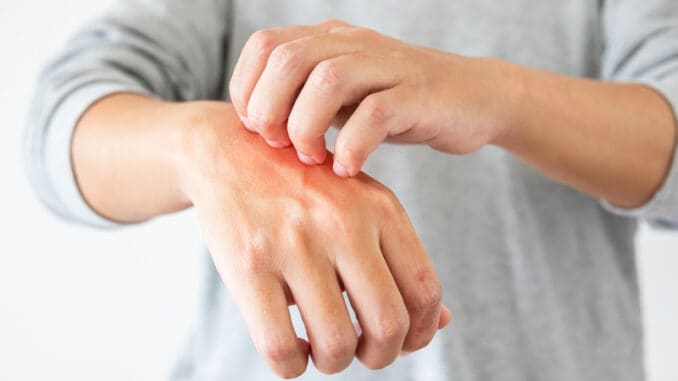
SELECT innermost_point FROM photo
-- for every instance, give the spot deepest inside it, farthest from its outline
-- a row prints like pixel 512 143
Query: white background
pixel 79 304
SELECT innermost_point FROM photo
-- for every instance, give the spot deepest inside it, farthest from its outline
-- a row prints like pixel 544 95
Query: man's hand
pixel 614 141
pixel 292 83
pixel 279 232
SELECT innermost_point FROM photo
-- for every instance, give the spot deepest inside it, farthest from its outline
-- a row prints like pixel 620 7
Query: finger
pixel 334 83
pixel 264 306
pixel 416 279
pixel 377 303
pixel 252 62
pixel 287 68
pixel 379 115
pixel 315 289
pixel 342 116
pixel 254 56
pixel 445 317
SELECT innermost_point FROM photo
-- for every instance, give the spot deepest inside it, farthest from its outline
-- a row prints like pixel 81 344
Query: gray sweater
pixel 541 279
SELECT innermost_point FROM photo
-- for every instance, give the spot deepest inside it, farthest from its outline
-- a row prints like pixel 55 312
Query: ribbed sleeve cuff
pixel 662 209
pixel 58 149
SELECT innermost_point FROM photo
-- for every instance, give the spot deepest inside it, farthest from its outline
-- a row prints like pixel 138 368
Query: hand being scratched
pixel 280 232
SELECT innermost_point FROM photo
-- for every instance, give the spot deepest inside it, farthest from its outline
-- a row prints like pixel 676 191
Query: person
pixel 552 130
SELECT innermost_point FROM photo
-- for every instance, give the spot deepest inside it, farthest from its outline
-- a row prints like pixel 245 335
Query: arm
pixel 614 138
pixel 125 154
pixel 614 141
pixel 124 92
pixel 136 46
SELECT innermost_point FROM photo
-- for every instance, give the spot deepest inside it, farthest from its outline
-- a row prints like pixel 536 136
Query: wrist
pixel 485 98
pixel 510 100
pixel 202 142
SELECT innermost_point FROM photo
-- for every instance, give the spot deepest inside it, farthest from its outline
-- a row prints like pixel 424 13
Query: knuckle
pixel 333 22
pixel 364 33
pixel 297 216
pixel 429 292
pixel 264 124
pixel 337 350
pixel 262 41
pixel 286 57
pixel 327 76
pixel 255 260
pixel 352 154
pixel 298 134
pixel 392 328
pixel 278 351
pixel 378 110
pixel 386 202
pixel 424 304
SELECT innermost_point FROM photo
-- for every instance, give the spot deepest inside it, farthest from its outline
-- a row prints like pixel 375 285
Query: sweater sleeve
pixel 169 49
pixel 641 46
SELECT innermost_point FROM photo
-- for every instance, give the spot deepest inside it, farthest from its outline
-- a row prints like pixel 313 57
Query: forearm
pixel 612 141
pixel 124 158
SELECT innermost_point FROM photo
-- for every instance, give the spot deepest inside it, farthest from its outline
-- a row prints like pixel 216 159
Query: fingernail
pixel 306 159
pixel 339 169
pixel 246 122
pixel 277 144
pixel 322 158
pixel 404 353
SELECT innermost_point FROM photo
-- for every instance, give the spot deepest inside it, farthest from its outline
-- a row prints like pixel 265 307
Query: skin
pixel 279 232
pixel 302 233
pixel 610 140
